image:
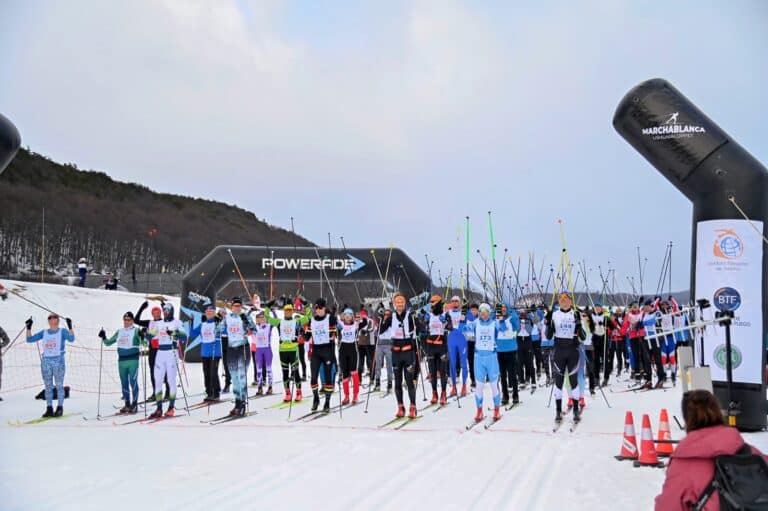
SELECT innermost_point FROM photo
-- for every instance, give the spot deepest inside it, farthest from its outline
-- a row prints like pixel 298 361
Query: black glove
pixel 4 296
pixel 28 323
pixel 142 307
pixel 69 323
pixel 143 333
pixel 102 334
pixel 167 331
pixel 498 309
pixel 464 309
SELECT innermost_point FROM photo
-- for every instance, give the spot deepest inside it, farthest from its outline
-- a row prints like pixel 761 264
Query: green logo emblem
pixel 720 357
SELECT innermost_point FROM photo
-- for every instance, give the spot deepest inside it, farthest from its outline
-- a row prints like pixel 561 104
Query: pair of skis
pixel 399 422
pixel 40 420
pixel 226 418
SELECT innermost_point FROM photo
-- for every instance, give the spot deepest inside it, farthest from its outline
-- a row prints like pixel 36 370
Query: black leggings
pixel 508 373
pixel 347 359
pixel 598 342
pixel 302 361
pixel 225 357
pixel 404 365
pixel 365 354
pixel 471 360
pixel 614 348
pixel 290 365
pixel 537 356
pixel 211 376
pixel 566 360
pixel 437 360
pixel 525 354
pixel 323 357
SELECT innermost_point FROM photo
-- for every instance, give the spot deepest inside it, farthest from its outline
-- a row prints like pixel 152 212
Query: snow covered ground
pixel 263 461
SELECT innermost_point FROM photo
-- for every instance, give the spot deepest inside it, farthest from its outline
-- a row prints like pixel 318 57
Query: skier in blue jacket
pixel 209 332
pixel 52 360
pixel 506 348
pixel 486 361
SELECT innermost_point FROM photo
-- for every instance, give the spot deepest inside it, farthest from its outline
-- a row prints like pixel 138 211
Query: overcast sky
pixel 389 122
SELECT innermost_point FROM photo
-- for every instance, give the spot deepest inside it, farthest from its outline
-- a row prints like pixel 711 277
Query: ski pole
pixel 291 378
pixel 183 392
pixel 144 367
pixel 13 341
pixel 98 398
pixel 373 370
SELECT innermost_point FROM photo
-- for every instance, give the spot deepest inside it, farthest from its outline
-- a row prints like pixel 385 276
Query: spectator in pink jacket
pixel 692 465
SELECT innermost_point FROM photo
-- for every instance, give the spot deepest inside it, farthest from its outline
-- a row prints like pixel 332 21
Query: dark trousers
pixel 323 358
pixel 211 377
pixel 365 354
pixel 437 361
pixel 404 366
pixel 225 357
pixel 302 361
pixel 598 342
pixel 471 360
pixel 508 373
pixel 537 356
pixel 615 348
pixel 525 360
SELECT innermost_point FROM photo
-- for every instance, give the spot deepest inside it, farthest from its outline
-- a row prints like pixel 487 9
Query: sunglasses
pixel 53 317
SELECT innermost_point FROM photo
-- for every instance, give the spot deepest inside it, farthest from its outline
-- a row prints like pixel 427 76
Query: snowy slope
pixel 264 461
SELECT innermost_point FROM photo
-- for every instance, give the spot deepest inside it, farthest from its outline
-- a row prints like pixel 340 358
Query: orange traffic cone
pixel 629 442
pixel 664 449
pixel 648 456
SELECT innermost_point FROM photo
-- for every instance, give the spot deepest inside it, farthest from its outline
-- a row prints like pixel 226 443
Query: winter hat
pixel 348 312
pixel 128 314
pixel 288 307
pixel 485 307
pixel 237 301
pixel 320 302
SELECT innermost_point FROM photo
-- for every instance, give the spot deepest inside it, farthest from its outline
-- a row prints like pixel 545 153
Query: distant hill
pixel 88 214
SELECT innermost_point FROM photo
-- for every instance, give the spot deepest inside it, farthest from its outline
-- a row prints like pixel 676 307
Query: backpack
pixel 741 480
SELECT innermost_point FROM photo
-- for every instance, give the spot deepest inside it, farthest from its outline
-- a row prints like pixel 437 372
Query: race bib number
pixel 125 342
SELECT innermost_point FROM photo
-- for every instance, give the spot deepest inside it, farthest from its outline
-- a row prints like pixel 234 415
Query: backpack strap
pixel 713 485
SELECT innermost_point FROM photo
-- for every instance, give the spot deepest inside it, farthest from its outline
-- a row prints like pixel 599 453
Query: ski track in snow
pixel 331 463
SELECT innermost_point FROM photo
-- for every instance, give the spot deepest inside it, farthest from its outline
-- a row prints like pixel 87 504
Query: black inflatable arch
pixel 281 266
pixel 709 168
pixel 10 141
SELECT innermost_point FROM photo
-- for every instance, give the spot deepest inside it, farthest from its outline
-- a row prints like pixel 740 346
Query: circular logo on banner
pixel 728 245
pixel 727 299
pixel 720 358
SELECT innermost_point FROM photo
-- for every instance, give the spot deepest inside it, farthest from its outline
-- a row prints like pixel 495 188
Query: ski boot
pixel 647 385
pixel 400 411
pixel 576 413
pixel 134 408
pixel 269 390
pixel 479 415
pixel 299 396
pixel 434 397
pixel 463 390
pixel 582 402
pixel 674 379
pixel 389 387
pixel 496 413
pixel 515 400
pixel 412 412
pixel 125 409
pixel 605 382
pixel 170 412
pixel 315 401
pixel 151 398
pixel 260 391
pixel 226 389
pixel 345 389
pixel 472 385
pixel 48 411
pixel 288 397
pixel 234 412
pixel 355 397
pixel 505 401
pixel 570 403
pixel 443 398
pixel 453 391
pixel 558 410
pixel 377 386
pixel 592 391
pixel 327 404
pixel 158 413
pixel 660 384
pixel 59 411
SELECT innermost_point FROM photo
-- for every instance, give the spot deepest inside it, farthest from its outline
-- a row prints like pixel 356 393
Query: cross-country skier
pixel 564 325
pixel 470 336
pixel 383 355
pixel 52 360
pixel 547 349
pixel 168 332
pixel 506 351
pixel 262 343
pixel 457 347
pixel 238 326
pixel 322 332
pixel 632 326
pixel 438 323
pixel 650 344
pixel 486 361
pixel 348 356
pixel 597 319
pixel 615 347
pixel 525 352
pixel 400 328
pixel 209 332
pixel 129 339
pixel 667 338
pixel 152 325
pixel 289 329
pixel 365 349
